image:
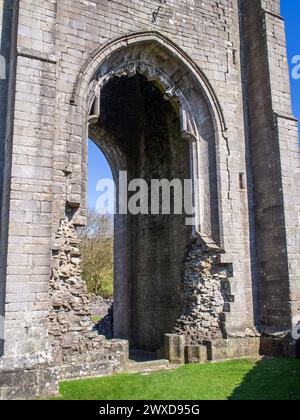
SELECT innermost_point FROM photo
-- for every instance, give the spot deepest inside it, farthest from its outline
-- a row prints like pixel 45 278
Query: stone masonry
pixel 175 89
pixel 70 324
pixel 203 317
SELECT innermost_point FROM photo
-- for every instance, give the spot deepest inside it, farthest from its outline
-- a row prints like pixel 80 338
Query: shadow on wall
pixel 277 379
pixel 298 349
pixel 6 16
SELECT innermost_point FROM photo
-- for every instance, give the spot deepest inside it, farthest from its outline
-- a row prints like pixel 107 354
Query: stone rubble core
pixel 203 298
pixel 206 297
pixel 71 334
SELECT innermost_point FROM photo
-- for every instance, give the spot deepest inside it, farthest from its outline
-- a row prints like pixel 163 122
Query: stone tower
pixel 175 89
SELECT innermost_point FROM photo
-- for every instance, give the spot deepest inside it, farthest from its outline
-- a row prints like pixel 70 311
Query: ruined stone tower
pixel 176 89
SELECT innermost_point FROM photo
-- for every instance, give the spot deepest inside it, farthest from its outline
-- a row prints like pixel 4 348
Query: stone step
pixel 149 366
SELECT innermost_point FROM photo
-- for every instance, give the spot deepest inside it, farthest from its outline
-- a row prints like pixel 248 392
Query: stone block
pixel 175 348
pixel 278 347
pixel 196 354
pixel 233 348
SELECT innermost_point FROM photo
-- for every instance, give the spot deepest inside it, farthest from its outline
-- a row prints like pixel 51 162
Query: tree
pixel 97 247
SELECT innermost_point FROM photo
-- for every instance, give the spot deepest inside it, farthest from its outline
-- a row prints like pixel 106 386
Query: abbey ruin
pixel 166 89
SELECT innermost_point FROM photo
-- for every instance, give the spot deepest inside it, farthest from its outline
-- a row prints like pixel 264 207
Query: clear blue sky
pixel 290 10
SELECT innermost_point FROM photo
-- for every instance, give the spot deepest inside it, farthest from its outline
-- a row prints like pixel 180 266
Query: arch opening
pixel 154 116
pixel 140 133
pixel 97 244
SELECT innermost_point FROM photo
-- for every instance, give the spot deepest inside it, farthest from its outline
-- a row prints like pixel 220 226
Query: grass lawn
pixel 277 379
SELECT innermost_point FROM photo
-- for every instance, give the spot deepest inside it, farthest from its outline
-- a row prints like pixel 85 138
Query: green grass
pixel 235 380
pixel 96 319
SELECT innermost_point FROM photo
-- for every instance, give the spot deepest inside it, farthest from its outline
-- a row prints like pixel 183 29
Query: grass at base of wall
pixel 277 379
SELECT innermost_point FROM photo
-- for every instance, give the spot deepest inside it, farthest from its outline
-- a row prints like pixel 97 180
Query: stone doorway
pixel 139 132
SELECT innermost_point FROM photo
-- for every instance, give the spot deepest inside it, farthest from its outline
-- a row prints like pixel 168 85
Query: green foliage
pixel 96 319
pixel 97 248
pixel 235 380
pixel 97 266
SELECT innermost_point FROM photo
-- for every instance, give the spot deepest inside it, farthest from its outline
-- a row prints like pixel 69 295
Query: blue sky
pixel 290 10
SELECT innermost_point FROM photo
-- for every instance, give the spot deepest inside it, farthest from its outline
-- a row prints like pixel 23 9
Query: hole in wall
pixel 242 181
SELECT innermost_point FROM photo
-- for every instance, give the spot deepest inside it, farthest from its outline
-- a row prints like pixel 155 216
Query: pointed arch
pixel 102 54
pixel 182 83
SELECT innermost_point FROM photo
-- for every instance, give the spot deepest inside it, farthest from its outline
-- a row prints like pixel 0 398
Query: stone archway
pixel 144 130
pixel 150 60
pixel 170 282
pixel 201 117
pixel 55 87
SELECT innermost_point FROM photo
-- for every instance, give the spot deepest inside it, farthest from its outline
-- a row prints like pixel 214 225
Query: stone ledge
pixel 36 55
pixel 28 384
pixel 280 347
pixel 233 348
pixel 177 351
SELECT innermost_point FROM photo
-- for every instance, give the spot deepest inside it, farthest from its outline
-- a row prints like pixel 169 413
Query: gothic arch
pixel 87 72
pixel 182 83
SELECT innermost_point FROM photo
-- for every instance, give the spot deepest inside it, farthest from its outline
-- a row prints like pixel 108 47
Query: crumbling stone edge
pixel 43 381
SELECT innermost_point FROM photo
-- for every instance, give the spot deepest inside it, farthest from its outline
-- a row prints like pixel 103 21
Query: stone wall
pixel 275 153
pixel 43 381
pixel 70 329
pixel 104 309
pixel 210 36
pixel 6 16
pixel 54 45
pixel 62 48
pixel 204 299
pixel 8 35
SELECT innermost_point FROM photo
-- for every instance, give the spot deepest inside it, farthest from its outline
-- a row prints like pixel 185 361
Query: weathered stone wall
pixel 46 143
pixel 75 350
pixel 8 34
pixel 55 40
pixel 43 381
pixel 103 308
pixel 203 287
pixel 206 299
pixel 6 16
pixel 70 325
pixel 275 153
pixel 30 213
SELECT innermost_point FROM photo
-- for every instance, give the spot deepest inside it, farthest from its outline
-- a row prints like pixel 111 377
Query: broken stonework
pixel 103 308
pixel 100 306
pixel 203 298
pixel 70 321
pixel 242 153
